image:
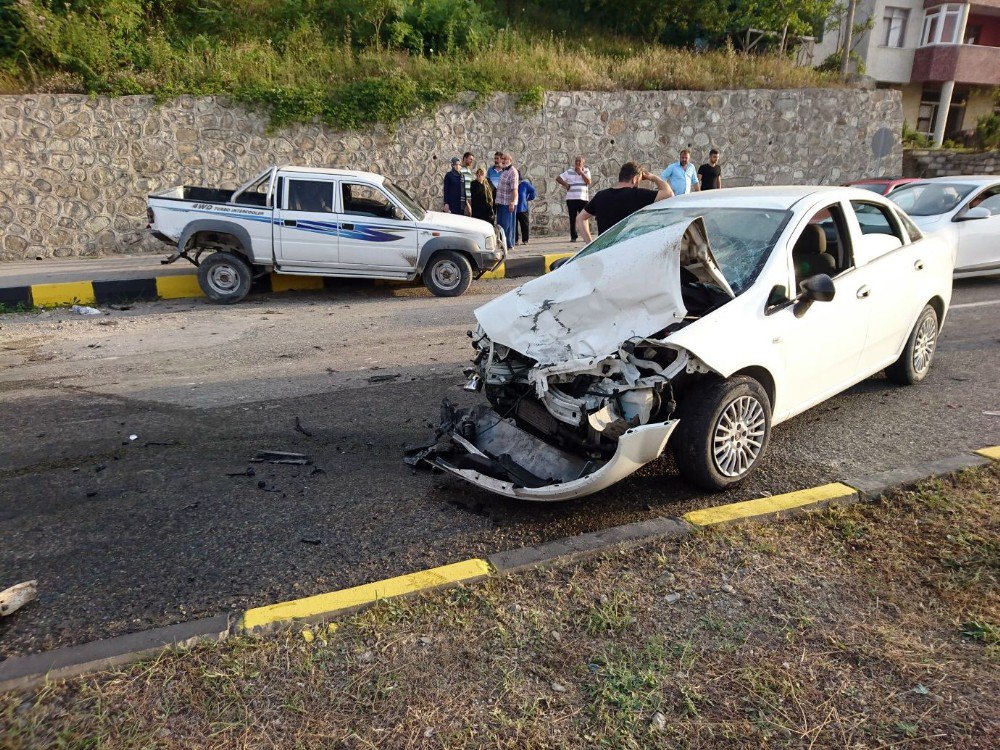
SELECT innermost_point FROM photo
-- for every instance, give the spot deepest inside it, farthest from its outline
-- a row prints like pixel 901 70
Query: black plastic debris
pixel 300 428
pixel 383 378
pixel 281 457
pixel 248 473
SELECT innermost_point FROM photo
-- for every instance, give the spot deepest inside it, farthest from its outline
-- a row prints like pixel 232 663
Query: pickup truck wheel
pixel 915 361
pixel 448 274
pixel 225 278
pixel 723 432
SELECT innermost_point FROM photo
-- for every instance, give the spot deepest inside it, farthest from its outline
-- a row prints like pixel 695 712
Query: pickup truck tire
pixel 225 278
pixel 448 274
pixel 723 432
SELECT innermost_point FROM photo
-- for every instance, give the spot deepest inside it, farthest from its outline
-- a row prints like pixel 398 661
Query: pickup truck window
pixel 256 194
pixel 310 195
pixel 365 200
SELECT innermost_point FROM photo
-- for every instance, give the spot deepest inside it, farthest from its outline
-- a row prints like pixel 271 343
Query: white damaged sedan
pixel 699 322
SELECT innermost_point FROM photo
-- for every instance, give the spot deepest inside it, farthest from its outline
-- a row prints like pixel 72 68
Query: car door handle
pixel 290 222
pixel 347 226
pixel 864 291
pixel 918 265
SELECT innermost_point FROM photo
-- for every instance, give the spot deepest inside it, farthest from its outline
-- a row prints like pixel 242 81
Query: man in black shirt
pixel 710 175
pixel 611 205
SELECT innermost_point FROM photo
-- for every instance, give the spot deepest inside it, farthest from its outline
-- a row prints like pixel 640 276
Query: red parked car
pixel 881 185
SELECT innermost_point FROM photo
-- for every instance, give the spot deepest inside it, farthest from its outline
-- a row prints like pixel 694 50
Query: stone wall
pixel 75 170
pixel 941 162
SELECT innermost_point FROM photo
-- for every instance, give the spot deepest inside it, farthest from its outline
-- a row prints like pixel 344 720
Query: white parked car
pixel 319 222
pixel 965 211
pixel 699 322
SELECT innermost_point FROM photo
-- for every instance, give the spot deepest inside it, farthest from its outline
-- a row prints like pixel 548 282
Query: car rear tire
pixel 225 278
pixel 915 361
pixel 724 429
pixel 448 274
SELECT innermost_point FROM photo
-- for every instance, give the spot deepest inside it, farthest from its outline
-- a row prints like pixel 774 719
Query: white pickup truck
pixel 319 222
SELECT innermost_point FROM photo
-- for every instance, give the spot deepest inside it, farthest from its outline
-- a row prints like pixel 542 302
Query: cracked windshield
pixel 741 238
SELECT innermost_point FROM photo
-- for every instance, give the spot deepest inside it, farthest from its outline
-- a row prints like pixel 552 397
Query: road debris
pixel 84 310
pixel 300 428
pixel 281 457
pixel 311 540
pixel 15 597
pixel 383 378
pixel 248 473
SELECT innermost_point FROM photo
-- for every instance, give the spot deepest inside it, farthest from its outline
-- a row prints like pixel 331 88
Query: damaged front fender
pixel 491 452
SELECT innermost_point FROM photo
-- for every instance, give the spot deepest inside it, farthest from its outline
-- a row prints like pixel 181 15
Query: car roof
pixel 776 197
pixel 977 179
pixel 332 171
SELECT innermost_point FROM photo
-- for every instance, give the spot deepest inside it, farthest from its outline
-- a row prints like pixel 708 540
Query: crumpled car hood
pixel 590 305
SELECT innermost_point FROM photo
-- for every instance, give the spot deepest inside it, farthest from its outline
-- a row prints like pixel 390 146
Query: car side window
pixel 310 195
pixel 876 219
pixel 365 200
pixel 823 246
pixel 911 229
pixel 988 199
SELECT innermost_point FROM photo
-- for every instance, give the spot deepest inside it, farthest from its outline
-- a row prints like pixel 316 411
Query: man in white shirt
pixel 576 181
pixel 681 175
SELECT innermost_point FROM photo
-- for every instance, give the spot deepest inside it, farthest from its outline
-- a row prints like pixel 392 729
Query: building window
pixel 941 25
pixel 972 33
pixel 927 113
pixel 895 26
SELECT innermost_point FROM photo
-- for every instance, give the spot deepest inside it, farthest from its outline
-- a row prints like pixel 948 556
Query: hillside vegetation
pixel 351 62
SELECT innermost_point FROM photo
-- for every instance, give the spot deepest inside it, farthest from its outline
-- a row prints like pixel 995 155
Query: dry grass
pixel 873 626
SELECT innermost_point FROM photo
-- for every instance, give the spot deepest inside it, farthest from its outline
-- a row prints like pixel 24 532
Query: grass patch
pixel 861 627
pixel 346 64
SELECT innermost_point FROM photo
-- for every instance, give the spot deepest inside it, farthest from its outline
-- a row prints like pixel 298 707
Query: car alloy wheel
pixel 924 344
pixel 738 436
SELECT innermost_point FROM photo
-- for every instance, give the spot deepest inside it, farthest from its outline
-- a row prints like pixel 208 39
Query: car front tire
pixel 724 429
pixel 915 361
pixel 225 278
pixel 448 274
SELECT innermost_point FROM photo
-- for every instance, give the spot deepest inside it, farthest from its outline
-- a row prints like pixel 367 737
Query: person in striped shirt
pixel 468 175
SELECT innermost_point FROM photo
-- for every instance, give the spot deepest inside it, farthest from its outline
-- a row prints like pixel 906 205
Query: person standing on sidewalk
pixel 493 173
pixel 613 204
pixel 469 176
pixel 482 198
pixel 525 193
pixel 506 198
pixel 710 175
pixel 681 175
pixel 454 189
pixel 576 181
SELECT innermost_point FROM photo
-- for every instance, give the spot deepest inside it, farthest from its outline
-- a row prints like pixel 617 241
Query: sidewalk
pixel 57 281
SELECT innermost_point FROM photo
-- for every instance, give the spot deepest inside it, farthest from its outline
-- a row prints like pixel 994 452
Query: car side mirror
pixel 818 288
pixel 777 299
pixel 979 212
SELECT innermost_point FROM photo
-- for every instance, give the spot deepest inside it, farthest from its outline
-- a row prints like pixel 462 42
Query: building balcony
pixel 962 63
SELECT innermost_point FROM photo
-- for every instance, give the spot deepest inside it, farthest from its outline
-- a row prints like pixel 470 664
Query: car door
pixel 306 225
pixel 979 239
pixel 375 232
pixel 820 349
pixel 887 264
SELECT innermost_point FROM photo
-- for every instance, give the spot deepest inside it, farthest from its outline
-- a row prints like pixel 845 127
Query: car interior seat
pixel 809 254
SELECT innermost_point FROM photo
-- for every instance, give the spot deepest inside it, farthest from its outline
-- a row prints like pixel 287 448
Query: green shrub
pixel 988 131
pixel 913 139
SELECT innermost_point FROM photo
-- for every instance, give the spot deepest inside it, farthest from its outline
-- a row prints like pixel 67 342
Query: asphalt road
pixel 125 534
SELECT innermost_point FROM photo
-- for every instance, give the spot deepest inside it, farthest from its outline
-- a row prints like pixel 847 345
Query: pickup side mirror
pixel 818 288
pixel 979 212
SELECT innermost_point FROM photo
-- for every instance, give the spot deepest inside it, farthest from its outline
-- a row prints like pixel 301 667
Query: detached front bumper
pixel 491 452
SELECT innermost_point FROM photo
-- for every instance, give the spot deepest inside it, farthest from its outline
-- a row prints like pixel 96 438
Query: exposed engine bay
pixel 578 369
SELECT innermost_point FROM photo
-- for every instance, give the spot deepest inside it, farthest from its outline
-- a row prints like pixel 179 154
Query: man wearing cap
pixel 454 188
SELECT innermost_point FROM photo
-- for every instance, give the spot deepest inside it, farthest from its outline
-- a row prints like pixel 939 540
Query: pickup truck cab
pixel 320 222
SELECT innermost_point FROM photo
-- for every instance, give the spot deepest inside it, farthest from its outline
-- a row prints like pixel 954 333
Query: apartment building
pixel 944 56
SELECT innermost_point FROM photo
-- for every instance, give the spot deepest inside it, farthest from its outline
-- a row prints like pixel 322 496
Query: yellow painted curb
pixel 68 293
pixel 991 452
pixel 498 273
pixel 282 283
pixel 550 259
pixel 765 505
pixel 322 604
pixel 178 287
